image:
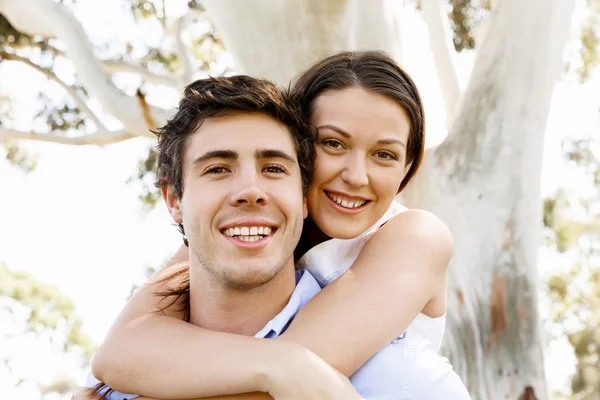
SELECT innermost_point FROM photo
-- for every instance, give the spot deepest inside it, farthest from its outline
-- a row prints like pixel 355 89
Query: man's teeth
pixel 346 203
pixel 248 233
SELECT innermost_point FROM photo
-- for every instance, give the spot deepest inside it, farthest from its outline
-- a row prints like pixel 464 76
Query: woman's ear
pixel 173 203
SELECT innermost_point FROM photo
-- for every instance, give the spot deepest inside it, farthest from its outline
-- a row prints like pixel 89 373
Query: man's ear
pixel 304 207
pixel 172 202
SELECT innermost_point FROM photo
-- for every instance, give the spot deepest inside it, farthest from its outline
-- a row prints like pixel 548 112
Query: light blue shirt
pixel 407 368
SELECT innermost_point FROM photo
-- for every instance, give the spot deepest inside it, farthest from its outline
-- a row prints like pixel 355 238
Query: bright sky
pixel 75 223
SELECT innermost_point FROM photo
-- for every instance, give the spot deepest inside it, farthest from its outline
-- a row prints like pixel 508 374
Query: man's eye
pixel 216 170
pixel 274 169
pixel 333 144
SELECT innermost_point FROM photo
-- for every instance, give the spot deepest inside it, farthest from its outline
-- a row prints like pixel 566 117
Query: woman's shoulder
pixel 419 224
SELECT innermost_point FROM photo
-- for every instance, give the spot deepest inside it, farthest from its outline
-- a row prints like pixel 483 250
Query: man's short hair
pixel 215 97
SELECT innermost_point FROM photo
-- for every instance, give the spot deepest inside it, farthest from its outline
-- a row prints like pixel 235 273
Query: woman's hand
pixel 301 374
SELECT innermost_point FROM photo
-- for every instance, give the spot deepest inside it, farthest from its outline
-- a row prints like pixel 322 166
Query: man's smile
pixel 249 233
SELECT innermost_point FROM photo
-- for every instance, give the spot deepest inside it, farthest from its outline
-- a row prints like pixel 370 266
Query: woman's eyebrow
pixel 335 128
pixel 392 141
pixel 347 135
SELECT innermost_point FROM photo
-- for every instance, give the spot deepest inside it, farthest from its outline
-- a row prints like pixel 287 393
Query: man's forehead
pixel 242 134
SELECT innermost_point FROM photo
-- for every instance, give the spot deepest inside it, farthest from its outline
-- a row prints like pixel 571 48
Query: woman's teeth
pixel 248 233
pixel 344 202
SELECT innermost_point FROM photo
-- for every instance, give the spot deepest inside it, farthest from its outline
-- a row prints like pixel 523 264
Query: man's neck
pixel 215 306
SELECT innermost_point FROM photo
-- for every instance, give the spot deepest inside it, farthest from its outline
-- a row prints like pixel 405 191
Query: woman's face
pixel 361 160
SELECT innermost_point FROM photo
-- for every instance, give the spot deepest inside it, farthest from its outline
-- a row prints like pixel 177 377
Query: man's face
pixel 242 206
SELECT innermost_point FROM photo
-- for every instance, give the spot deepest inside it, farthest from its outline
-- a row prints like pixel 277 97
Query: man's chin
pixel 251 278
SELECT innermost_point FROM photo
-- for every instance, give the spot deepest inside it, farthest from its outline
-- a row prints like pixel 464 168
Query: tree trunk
pixel 278 39
pixel 483 181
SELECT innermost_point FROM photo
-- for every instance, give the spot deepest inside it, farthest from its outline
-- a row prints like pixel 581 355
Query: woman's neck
pixel 312 236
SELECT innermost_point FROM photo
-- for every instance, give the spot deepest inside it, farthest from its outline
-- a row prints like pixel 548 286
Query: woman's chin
pixel 342 230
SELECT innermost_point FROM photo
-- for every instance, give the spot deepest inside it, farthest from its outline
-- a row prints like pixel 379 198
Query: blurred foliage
pixel 573 225
pixel 149 194
pixel 60 115
pixel 464 16
pixel 589 54
pixel 48 309
pixel 10 149
pixel 34 310
pixel 15 155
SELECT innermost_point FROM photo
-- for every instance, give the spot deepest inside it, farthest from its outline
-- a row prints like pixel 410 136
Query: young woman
pixel 383 267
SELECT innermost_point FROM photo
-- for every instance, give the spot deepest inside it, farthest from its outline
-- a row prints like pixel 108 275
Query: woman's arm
pixel 397 273
pixel 138 347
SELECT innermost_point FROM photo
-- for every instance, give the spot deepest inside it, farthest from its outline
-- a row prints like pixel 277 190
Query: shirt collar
pixel 306 288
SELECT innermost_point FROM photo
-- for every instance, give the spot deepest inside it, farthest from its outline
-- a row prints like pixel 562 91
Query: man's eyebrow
pixel 273 153
pixel 226 154
pixel 348 136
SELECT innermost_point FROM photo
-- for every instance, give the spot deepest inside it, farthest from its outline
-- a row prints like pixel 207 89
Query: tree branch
pixel 52 19
pixel 442 47
pixel 113 66
pixel 186 62
pixel 99 138
pixel 163 19
pixel 39 45
pixel 51 75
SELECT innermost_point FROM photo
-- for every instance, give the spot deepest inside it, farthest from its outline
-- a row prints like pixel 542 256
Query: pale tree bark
pixel 442 48
pixel 278 39
pixel 484 182
pixel 373 24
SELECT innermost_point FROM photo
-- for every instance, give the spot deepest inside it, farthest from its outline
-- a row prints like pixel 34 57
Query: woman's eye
pixel 274 169
pixel 333 144
pixel 216 170
pixel 385 155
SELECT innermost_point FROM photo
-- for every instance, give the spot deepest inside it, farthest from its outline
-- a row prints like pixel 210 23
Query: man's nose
pixel 249 191
pixel 355 171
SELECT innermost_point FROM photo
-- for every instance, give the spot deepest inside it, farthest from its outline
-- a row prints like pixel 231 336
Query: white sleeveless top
pixel 329 260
